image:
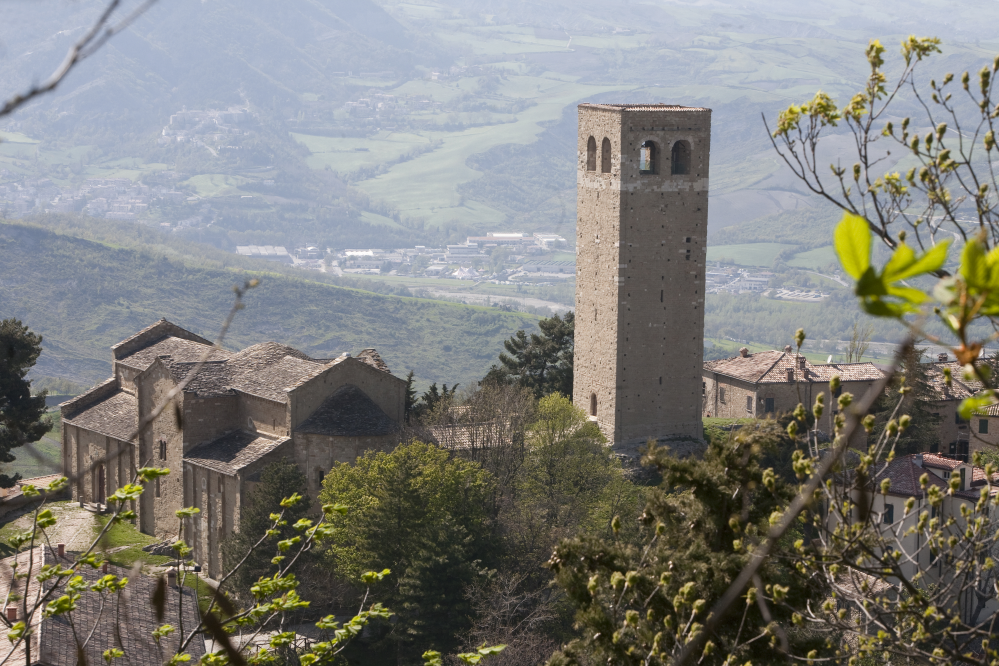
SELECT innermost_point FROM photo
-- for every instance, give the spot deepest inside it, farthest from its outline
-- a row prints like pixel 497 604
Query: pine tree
pixel 541 362
pixel 21 414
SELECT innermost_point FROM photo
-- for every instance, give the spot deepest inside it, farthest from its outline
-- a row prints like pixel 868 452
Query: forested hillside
pixel 84 296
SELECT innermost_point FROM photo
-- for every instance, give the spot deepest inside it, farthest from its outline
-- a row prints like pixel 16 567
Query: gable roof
pixel 233 451
pixel 178 349
pixel 349 412
pixel 959 388
pixel 116 415
pixel 905 471
pixel 130 625
pixel 151 334
pixel 773 367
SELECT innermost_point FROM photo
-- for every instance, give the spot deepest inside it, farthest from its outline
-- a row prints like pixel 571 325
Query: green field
pixel 815 259
pixel 750 254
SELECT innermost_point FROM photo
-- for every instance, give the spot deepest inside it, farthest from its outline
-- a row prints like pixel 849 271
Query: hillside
pixel 395 123
pixel 84 296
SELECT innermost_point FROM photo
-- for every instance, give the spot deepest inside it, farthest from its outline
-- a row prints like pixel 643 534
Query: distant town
pixel 498 257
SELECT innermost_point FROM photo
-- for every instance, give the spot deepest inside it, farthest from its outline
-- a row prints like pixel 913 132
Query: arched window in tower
pixel 647 158
pixel 593 404
pixel 605 156
pixel 591 154
pixel 680 158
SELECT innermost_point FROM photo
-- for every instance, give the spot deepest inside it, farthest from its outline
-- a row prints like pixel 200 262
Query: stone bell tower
pixel 642 202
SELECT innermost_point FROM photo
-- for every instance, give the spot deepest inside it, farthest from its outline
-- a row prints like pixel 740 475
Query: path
pixel 74 526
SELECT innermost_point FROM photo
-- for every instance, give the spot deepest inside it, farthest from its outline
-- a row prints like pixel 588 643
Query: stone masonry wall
pixel 640 273
pixel 385 390
pixel 158 507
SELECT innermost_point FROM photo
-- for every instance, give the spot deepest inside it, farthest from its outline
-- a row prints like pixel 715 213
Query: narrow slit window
pixel 591 154
pixel 593 404
pixel 680 158
pixel 163 449
pixel 647 158
pixel 605 156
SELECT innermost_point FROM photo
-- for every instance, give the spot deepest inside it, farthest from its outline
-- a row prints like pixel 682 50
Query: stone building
pixel 639 286
pixel 241 411
pixel 955 438
pixel 775 382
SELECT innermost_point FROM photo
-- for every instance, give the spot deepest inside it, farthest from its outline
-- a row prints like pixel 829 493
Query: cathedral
pixel 240 412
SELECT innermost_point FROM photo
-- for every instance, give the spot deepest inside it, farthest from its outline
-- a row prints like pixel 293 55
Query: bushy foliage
pixel 640 602
pixel 424 515
pixel 21 414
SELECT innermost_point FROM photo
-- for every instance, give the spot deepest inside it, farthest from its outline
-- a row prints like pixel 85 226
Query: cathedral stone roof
pixel 349 412
pixel 113 416
pixel 178 349
pixel 233 451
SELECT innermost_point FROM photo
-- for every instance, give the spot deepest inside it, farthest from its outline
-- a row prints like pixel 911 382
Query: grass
pixel 216 184
pixel 750 254
pixel 815 259
pixel 126 534
pixel 719 428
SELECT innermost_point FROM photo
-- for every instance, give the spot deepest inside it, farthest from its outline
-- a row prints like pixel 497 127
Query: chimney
pixel 104 567
pixel 172 578
pixel 787 349
pixel 790 374
pixel 61 549
pixel 12 613
pixel 918 459
pixel 801 363
pixel 744 352
pixel 941 358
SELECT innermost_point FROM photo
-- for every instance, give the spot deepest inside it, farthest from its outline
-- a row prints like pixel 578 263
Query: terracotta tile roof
pixel 115 416
pixel 349 412
pixel 372 358
pixel 150 334
pixel 132 623
pixel 959 388
pixel 777 367
pixel 233 451
pixel 905 472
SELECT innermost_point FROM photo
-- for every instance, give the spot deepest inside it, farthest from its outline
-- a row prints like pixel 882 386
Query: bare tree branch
pixel 99 33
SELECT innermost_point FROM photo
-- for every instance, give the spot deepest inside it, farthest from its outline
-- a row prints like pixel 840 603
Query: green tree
pixel 425 516
pixel 647 599
pixel 277 481
pixel 916 403
pixel 410 394
pixel 541 361
pixel 21 414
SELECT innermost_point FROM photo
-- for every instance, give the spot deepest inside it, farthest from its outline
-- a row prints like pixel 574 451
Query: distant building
pixel 492 238
pixel 269 252
pixel 563 267
pixel 769 383
pixel 459 252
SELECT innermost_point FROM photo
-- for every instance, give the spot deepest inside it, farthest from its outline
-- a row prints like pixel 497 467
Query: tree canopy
pixel 21 414
pixel 541 361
